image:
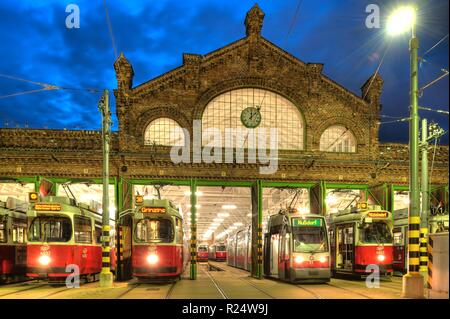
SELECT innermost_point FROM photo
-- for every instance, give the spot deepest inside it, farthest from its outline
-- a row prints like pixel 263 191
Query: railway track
pixel 311 292
pixel 169 292
pixel 347 289
pixel 21 290
pixel 247 281
pixel 219 289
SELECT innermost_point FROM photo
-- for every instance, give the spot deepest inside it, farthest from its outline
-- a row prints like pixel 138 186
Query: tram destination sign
pixel 317 222
pixel 377 214
pixel 53 207
pixel 153 210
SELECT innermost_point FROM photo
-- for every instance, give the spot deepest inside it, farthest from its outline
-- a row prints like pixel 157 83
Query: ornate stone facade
pixel 182 95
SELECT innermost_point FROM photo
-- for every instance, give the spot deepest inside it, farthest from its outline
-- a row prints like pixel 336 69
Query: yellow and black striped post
pixel 260 251
pixel 106 250
pixel 106 277
pixel 193 241
pixel 430 263
pixel 414 245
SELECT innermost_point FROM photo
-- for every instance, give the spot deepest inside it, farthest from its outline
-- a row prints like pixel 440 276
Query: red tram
pixel 61 234
pixel 218 252
pixel 159 246
pixel 360 237
pixel 13 251
pixel 202 253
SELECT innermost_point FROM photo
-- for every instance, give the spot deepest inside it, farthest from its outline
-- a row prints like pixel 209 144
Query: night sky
pixel 36 45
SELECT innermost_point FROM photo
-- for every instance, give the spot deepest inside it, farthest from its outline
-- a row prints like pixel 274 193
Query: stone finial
pixel 124 72
pixel 254 20
pixel 371 89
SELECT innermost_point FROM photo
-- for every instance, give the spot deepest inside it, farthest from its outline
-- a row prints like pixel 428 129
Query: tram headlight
pixel 44 260
pixel 380 257
pixel 299 259
pixel 152 259
pixel 323 259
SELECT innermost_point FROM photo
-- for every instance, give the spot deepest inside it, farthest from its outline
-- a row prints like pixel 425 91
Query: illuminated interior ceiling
pixel 340 199
pixel 15 190
pixel 92 195
pixel 224 210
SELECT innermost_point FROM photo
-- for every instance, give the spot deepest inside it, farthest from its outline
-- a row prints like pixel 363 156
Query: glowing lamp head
pixel 299 259
pixel 44 260
pixel 401 20
pixel 152 259
pixel 380 257
pixel 323 259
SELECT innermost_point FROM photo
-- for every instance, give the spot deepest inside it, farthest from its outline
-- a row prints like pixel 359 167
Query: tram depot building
pixel 327 136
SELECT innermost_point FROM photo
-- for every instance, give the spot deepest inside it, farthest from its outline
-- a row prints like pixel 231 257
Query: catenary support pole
pixel 413 281
pixel 106 276
pixel 423 257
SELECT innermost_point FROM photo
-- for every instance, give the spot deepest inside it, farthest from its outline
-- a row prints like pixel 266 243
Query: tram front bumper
pixel 310 274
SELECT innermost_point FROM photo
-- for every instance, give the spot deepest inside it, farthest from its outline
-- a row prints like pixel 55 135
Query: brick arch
pixel 239 83
pixel 357 132
pixel 147 117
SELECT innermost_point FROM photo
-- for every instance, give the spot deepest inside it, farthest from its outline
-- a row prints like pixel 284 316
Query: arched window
pixel 338 138
pixel 164 131
pixel 224 112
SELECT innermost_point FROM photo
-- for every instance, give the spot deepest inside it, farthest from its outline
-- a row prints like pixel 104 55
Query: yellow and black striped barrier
pixel 414 244
pixel 106 249
pixel 423 254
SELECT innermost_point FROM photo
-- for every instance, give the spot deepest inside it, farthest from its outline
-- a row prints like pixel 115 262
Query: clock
pixel 251 117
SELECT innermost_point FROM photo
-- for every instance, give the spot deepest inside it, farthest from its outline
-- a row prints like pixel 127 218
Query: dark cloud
pixel 36 45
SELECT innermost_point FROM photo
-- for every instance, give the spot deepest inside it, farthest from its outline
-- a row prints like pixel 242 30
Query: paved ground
pixel 231 283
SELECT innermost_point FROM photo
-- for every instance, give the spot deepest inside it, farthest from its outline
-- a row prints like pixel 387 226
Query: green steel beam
pixel 268 184
pixel 193 242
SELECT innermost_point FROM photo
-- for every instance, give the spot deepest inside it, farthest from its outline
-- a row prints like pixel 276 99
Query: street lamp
pixel 403 20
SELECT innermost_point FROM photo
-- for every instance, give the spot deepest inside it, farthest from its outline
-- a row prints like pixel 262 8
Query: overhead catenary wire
pixel 396 121
pixel 111 34
pixel 435 45
pixel 433 82
pixel 291 27
pixel 378 68
pixel 433 110
pixel 45 87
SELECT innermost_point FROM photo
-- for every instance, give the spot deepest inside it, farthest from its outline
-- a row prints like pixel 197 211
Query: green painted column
pixel 193 246
pixel 259 192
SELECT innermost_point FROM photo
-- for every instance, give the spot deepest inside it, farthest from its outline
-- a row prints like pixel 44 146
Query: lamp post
pixel 401 20
pixel 106 277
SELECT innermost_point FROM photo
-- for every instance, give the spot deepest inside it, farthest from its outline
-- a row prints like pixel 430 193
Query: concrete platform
pixel 231 283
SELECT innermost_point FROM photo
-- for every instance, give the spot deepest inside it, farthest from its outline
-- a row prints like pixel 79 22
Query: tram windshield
pixel 221 248
pixel 202 249
pixel 50 229
pixel 308 239
pixel 376 232
pixel 154 230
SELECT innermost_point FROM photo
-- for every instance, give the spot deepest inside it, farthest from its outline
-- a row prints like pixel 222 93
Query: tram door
pixel 274 254
pixel 345 247
pixel 283 266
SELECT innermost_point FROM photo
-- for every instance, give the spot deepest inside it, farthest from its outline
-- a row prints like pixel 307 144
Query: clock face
pixel 251 117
